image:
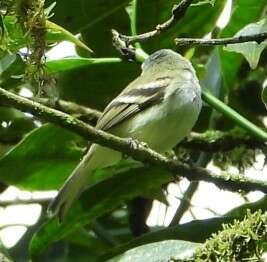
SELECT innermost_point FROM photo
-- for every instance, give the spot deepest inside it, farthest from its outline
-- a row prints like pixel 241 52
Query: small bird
pixel 159 108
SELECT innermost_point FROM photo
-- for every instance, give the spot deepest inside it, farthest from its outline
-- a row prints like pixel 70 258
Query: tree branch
pixel 178 12
pixel 72 108
pixel 222 41
pixel 136 150
pixel 195 142
pixel 222 144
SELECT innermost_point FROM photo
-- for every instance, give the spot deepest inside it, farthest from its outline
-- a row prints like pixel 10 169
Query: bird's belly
pixel 163 127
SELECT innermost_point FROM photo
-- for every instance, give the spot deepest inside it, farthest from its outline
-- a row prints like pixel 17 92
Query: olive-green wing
pixel 133 100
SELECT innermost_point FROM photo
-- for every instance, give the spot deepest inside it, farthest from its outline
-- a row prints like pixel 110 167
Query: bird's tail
pixel 71 189
pixel 97 157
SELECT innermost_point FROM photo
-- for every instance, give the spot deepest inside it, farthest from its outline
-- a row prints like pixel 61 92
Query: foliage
pixel 35 155
pixel 239 241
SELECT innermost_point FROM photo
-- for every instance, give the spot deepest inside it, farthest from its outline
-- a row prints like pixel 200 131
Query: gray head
pixel 167 58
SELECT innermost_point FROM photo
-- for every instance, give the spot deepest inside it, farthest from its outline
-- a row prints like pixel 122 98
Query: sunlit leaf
pixel 250 50
pixel 243 13
pixel 67 35
pixel 76 62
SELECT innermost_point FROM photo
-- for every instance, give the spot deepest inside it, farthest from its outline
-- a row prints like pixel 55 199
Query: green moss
pixel 29 18
pixel 239 241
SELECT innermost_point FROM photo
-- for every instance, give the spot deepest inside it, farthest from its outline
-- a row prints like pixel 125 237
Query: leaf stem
pixel 138 152
pixel 233 115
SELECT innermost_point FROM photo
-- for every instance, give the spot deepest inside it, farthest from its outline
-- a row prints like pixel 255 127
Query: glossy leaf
pixel 213 77
pixel 250 50
pixel 76 62
pixel 191 231
pixel 42 160
pixel 94 20
pixel 67 35
pixel 159 251
pixel 97 201
pixel 243 13
pixel 13 38
pixel 11 70
pixel 97 85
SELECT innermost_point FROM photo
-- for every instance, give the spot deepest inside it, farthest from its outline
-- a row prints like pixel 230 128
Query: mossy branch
pixel 206 142
pixel 138 151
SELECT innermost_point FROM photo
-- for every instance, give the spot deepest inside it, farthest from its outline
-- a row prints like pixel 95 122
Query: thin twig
pixel 178 12
pixel 136 150
pixel 196 141
pixel 185 203
pixel 72 108
pixel 202 161
pixel 222 41
pixel 196 206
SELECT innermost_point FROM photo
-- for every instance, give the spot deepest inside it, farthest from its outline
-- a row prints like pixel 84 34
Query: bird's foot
pixel 134 143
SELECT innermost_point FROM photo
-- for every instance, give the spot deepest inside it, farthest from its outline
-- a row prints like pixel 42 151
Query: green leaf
pixel 42 160
pixel 4 255
pixel 243 13
pixel 264 246
pixel 6 61
pixel 98 85
pixel 195 231
pixel 160 251
pixel 13 125
pixel 11 70
pixel 94 20
pixel 82 244
pixel 97 201
pixel 250 50
pixel 213 77
pixel 75 62
pixel 13 38
pixel 204 15
pixel 67 35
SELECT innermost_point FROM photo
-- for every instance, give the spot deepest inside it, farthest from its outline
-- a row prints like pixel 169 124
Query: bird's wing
pixel 131 101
